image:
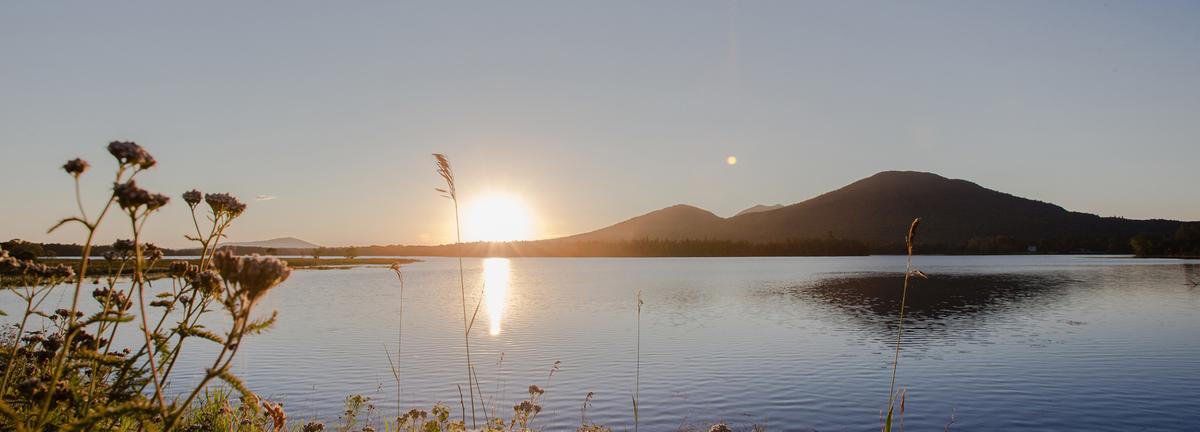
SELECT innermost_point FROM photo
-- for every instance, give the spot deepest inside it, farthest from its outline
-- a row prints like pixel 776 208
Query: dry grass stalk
pixel 910 272
pixel 450 192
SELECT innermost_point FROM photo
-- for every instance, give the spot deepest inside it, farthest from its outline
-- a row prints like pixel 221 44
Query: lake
pixel 994 342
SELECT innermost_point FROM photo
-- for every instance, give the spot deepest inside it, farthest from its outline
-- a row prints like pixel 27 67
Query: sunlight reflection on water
pixel 495 280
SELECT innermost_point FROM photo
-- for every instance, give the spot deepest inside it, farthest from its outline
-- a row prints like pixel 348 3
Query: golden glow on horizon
pixel 732 160
pixel 495 290
pixel 497 218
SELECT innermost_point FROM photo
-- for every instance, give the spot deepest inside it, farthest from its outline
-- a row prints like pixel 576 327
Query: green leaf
pixel 235 382
pixel 257 327
pixel 200 332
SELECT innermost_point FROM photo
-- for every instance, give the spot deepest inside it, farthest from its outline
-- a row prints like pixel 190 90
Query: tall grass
pixel 450 192
pixel 399 342
pixel 909 273
pixel 637 368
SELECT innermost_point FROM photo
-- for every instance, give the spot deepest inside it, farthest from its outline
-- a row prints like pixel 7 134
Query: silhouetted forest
pixel 1184 243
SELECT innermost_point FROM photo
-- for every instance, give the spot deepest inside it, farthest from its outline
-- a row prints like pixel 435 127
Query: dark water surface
pixel 1000 343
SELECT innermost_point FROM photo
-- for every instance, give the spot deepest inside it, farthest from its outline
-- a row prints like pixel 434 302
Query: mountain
pixel 759 209
pixel 877 210
pixel 278 243
pixel 678 222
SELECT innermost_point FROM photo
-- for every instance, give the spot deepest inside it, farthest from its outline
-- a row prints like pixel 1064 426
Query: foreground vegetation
pixel 62 371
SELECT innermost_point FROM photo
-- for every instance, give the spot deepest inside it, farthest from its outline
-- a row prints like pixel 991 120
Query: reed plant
pixel 910 272
pixel 395 267
pixel 637 368
pixel 451 192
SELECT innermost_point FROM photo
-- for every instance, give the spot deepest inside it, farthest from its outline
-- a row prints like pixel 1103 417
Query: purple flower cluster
pixel 75 167
pixel 254 274
pixel 207 282
pixel 192 198
pixel 130 196
pixel 129 153
pixel 224 204
pixel 11 266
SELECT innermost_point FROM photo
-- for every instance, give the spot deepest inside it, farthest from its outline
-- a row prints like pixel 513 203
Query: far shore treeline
pixel 1185 242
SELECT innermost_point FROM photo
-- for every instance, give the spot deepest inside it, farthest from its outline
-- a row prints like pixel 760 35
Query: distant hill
pixel 278 243
pixel 868 216
pixel 958 215
pixel 759 209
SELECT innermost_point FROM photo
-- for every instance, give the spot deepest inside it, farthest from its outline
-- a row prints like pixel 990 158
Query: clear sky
pixel 591 112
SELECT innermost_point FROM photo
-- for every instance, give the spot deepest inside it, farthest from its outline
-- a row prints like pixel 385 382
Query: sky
pixel 589 113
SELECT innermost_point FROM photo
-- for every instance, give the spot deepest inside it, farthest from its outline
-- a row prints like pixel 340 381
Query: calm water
pixel 1001 343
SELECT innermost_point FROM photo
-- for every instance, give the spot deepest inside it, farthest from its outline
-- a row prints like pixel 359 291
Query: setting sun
pixel 497 218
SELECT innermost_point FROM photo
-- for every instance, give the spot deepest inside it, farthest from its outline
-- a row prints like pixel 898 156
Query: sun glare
pixel 495 285
pixel 497 218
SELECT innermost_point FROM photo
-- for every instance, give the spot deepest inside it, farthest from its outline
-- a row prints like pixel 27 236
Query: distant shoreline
pixel 99 267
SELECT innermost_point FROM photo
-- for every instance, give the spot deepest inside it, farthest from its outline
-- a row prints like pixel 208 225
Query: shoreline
pixel 99 267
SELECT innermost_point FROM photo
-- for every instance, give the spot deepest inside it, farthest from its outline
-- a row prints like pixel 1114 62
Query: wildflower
pixel 115 299
pixel 75 167
pixel 720 427
pixel 61 271
pixel 130 196
pixel 34 269
pixel 192 198
pixel 129 153
pixel 178 268
pixel 53 343
pixel 207 282
pixel 31 387
pixel 535 390
pixel 275 411
pixel 526 408
pixel 254 274
pixel 313 427
pixel 223 204
pixel 153 252
pixel 8 264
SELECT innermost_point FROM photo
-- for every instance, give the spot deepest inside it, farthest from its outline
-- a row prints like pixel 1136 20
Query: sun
pixel 497 217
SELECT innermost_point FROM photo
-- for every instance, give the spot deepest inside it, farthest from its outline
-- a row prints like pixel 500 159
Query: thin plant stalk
pixel 450 192
pixel 909 272
pixel 399 341
pixel 60 359
pixel 139 279
pixel 84 260
pixel 30 306
pixel 637 369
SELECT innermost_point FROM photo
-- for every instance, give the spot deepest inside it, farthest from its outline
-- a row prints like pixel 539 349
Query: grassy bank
pixel 100 267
